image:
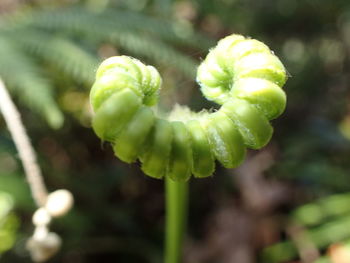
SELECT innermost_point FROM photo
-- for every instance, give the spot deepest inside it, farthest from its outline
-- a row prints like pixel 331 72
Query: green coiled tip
pixel 241 74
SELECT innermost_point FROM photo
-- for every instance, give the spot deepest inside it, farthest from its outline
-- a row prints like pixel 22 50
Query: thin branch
pixel 25 149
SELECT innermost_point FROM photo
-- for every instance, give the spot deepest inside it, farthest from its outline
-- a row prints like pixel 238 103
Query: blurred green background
pixel 289 202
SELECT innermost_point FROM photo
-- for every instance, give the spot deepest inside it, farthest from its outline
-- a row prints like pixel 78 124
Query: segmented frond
pixel 120 19
pixel 63 53
pixel 97 27
pixel 26 79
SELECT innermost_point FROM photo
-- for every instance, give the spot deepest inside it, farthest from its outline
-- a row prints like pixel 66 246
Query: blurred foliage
pixel 8 223
pixel 322 223
pixel 49 51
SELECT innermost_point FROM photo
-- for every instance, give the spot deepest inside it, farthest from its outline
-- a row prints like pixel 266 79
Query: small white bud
pixel 59 202
pixel 41 217
pixel 42 250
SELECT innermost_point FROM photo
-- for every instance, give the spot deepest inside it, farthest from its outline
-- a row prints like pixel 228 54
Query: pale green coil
pixel 241 74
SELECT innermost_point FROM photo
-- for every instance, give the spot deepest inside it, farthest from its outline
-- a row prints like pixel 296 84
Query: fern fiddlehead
pixel 240 74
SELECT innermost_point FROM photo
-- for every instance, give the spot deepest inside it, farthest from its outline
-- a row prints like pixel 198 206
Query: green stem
pixel 176 217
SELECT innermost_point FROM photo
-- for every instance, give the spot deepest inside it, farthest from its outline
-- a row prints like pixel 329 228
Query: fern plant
pixel 242 75
pixel 67 40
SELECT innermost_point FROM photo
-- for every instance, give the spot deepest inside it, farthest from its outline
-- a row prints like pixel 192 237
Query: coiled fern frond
pixel 240 74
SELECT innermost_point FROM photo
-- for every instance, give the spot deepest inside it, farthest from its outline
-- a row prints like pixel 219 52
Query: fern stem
pixel 176 215
pixel 26 152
